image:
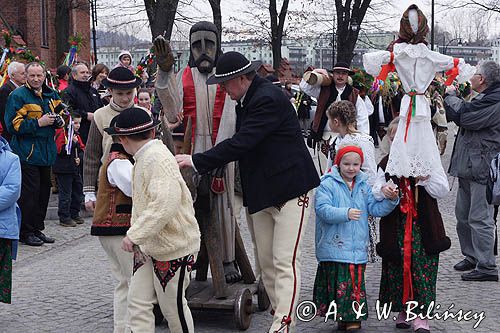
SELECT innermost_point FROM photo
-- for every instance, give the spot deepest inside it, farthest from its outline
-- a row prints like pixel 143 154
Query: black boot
pixel 31 240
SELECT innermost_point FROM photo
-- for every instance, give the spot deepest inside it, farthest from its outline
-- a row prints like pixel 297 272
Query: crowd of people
pixel 109 138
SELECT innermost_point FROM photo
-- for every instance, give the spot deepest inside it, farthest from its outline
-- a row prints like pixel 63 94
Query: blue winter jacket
pixel 10 190
pixel 338 238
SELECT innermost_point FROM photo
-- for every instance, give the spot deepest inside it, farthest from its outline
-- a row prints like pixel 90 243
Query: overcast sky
pixel 233 8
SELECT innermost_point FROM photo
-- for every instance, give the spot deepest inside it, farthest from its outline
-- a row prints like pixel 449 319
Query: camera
pixel 58 120
pixel 58 112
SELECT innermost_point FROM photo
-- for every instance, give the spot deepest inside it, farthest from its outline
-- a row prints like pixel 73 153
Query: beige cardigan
pixel 163 222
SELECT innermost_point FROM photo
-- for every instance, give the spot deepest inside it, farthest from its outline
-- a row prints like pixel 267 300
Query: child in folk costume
pixel 342 120
pixel 411 238
pixel 164 234
pixel 414 152
pixel 10 216
pixel 343 202
pixel 111 222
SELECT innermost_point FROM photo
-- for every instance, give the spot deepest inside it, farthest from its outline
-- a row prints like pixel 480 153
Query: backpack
pixel 493 185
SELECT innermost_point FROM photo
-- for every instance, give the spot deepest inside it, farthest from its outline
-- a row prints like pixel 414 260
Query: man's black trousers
pixel 35 192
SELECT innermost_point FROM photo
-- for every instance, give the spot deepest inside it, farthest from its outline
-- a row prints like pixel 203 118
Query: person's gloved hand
pixel 312 139
pixel 163 52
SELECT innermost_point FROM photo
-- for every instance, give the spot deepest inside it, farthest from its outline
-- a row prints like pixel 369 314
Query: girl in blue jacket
pixel 10 218
pixel 343 202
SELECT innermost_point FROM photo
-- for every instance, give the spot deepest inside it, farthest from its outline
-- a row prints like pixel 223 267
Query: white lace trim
pixel 416 157
pixel 419 50
pixel 373 61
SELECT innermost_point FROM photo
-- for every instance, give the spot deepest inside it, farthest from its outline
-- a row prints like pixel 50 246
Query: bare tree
pixel 483 5
pixel 161 16
pixel 349 18
pixel 271 27
pixel 216 12
pixel 277 26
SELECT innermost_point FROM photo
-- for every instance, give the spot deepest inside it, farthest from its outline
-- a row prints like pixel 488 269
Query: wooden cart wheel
pixel 243 309
pixel 263 301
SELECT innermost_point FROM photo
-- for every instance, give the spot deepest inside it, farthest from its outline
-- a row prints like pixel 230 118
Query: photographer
pixel 32 114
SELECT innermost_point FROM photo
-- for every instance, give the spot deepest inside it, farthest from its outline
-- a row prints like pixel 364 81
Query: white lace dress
pixel 416 66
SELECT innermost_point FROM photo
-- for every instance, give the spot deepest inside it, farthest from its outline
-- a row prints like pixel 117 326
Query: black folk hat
pixel 342 66
pixel 131 121
pixel 231 65
pixel 121 78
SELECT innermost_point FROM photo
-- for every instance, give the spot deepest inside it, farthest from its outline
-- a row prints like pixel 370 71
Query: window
pixel 44 29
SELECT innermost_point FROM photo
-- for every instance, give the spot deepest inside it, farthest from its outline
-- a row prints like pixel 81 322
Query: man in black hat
pixel 277 176
pixel 163 234
pixel 320 134
pixel 211 115
pixel 121 83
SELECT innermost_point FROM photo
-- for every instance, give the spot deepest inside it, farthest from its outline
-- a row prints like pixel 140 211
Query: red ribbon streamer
pixel 386 69
pixel 452 73
pixel 357 292
pixel 407 207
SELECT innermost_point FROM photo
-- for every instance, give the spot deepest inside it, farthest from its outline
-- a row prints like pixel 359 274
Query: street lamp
pixel 333 42
pixel 179 54
pixel 354 24
pixel 93 10
pixel 451 41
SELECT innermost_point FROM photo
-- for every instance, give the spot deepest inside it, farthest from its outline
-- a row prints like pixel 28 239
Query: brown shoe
pixel 352 325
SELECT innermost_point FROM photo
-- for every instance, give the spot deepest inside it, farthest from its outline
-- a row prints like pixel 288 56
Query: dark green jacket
pixel 33 144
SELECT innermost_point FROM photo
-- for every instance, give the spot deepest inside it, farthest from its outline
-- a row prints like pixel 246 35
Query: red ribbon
pixel 386 69
pixel 411 109
pixel 407 207
pixel 452 73
pixel 357 292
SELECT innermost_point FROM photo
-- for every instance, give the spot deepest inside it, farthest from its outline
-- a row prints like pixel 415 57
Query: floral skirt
pixel 343 284
pixel 424 269
pixel 5 270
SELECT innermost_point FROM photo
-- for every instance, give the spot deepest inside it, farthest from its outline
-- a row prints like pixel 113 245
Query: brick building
pixel 45 26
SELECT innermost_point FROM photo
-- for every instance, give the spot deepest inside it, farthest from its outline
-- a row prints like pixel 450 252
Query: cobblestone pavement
pixel 67 287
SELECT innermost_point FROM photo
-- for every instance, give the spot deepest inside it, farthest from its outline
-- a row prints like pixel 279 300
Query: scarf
pixel 406 33
pixel 118 108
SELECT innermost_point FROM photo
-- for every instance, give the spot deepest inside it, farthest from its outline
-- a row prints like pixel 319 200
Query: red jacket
pixel 60 138
pixel 66 163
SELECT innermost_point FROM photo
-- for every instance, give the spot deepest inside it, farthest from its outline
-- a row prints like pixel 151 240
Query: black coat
pixel 275 165
pixel 5 91
pixel 82 98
